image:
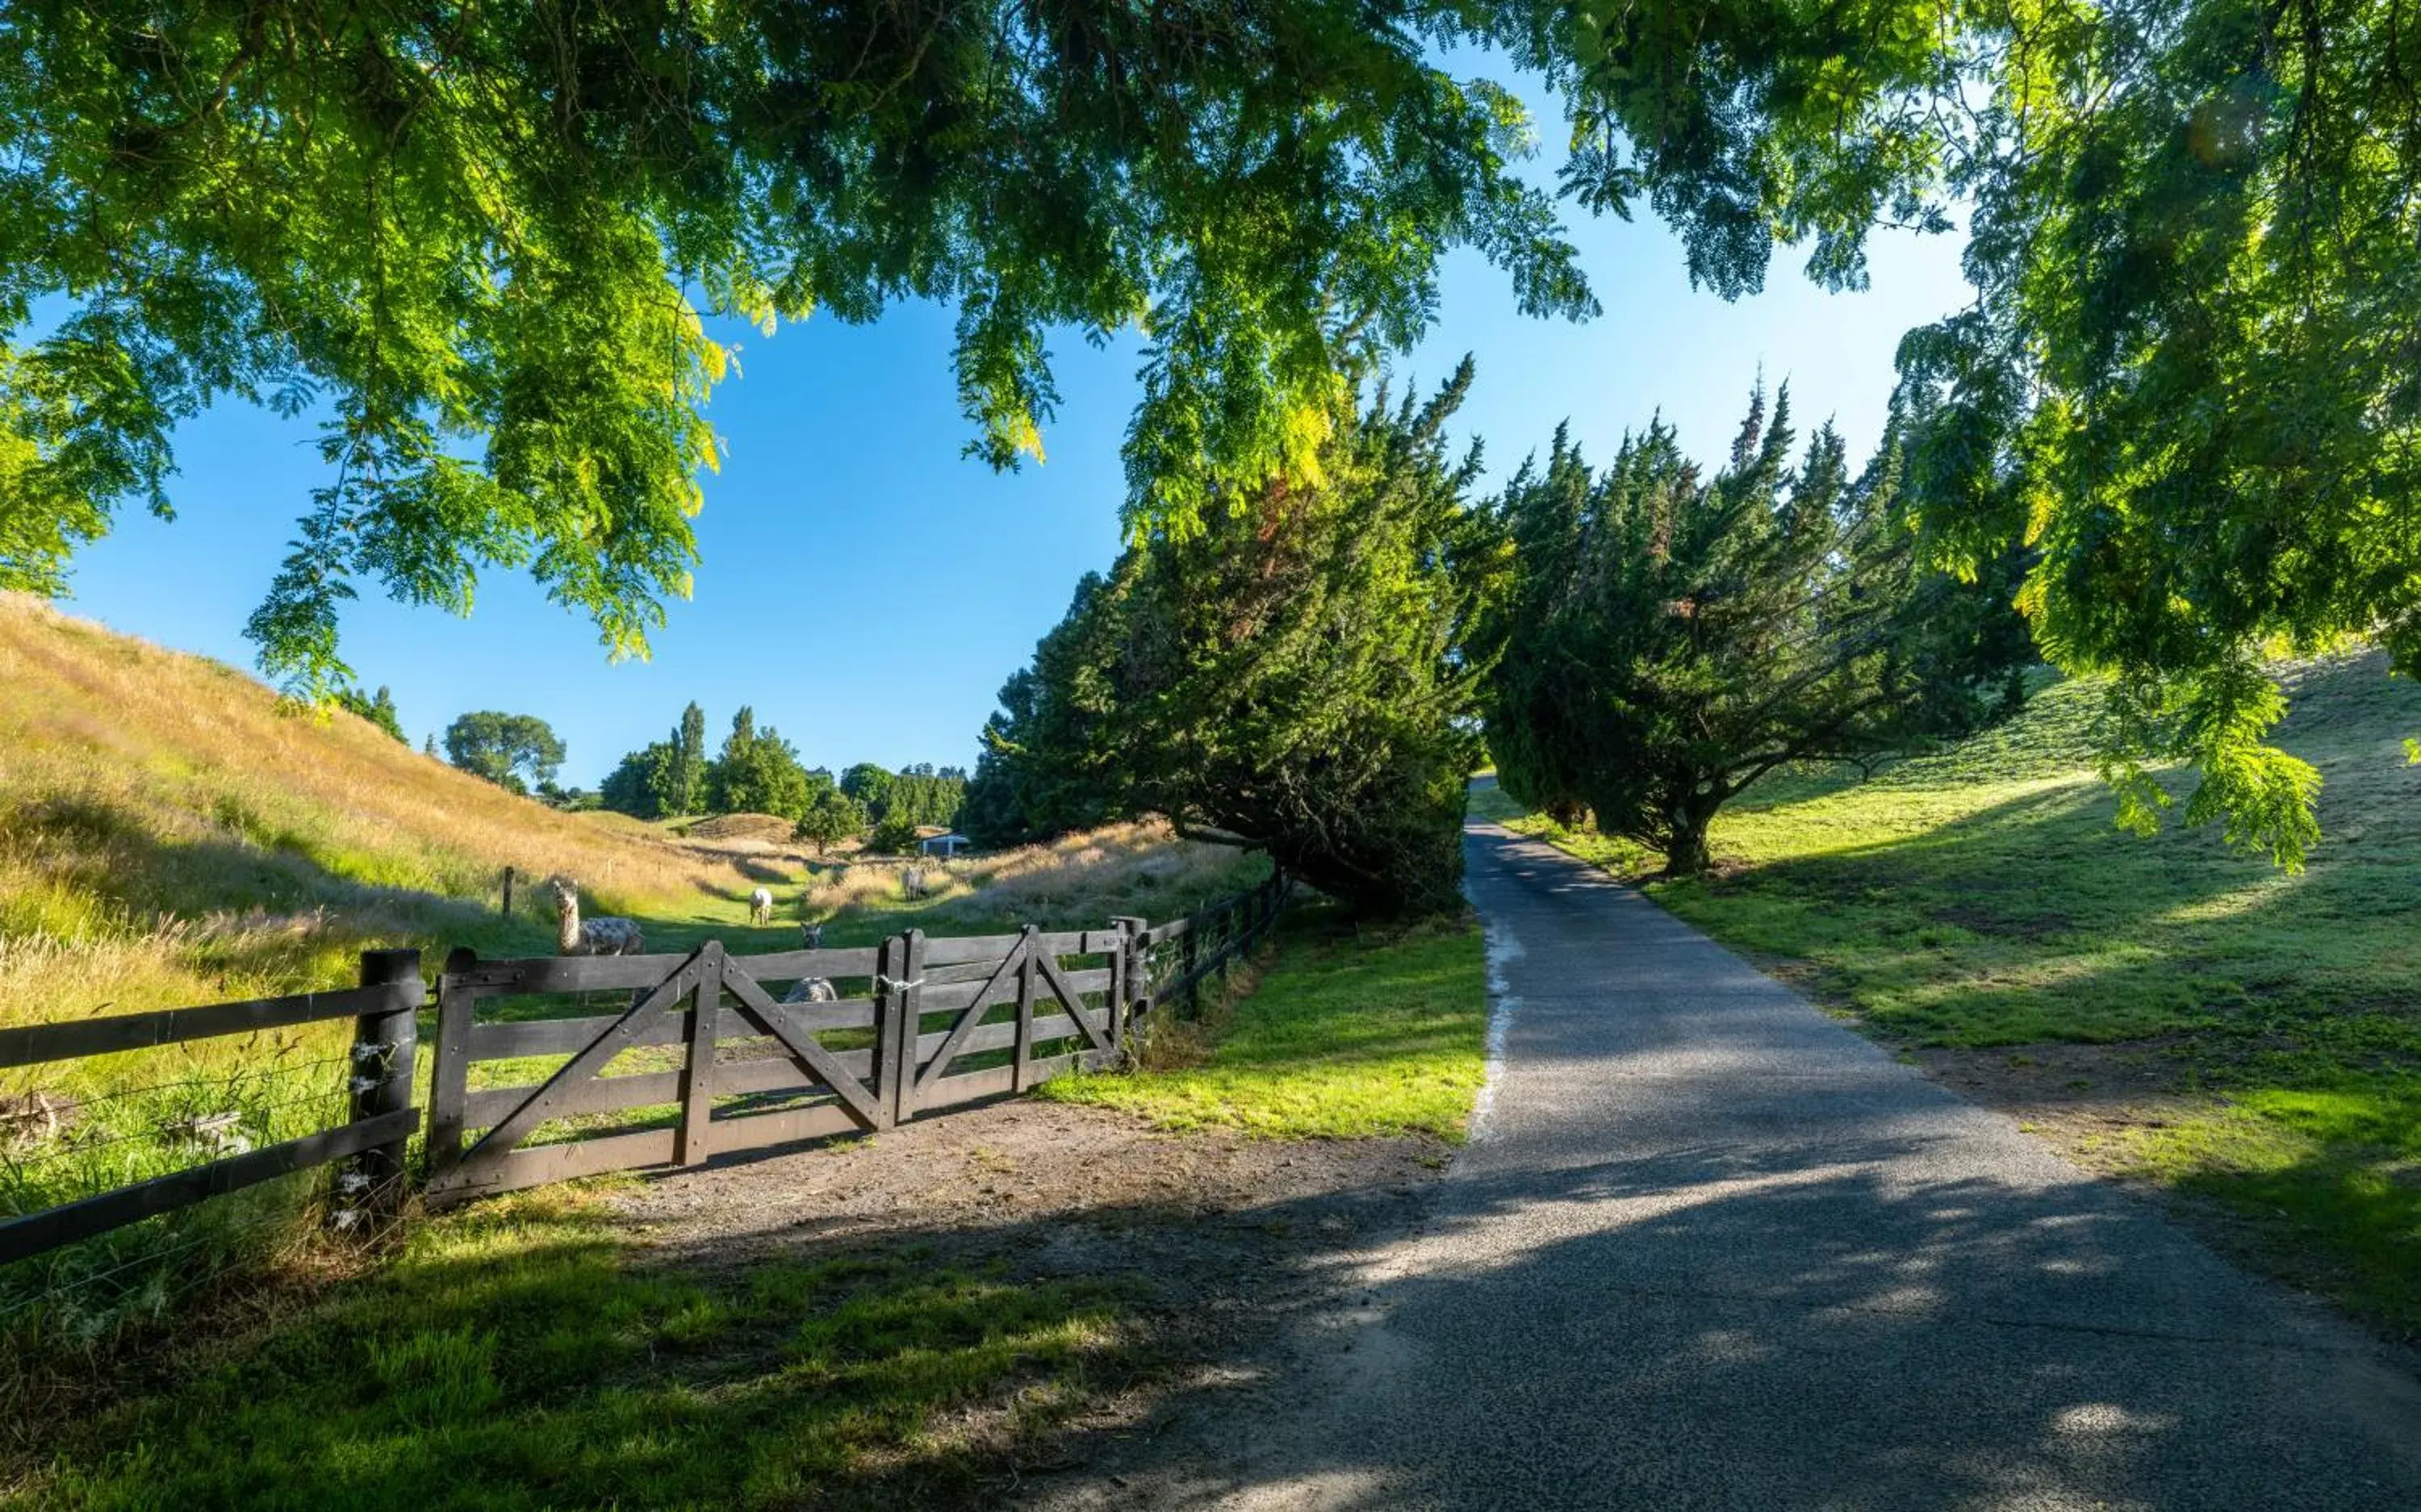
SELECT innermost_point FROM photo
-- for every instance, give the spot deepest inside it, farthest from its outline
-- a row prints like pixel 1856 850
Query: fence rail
pixel 379 1075
pixel 929 1025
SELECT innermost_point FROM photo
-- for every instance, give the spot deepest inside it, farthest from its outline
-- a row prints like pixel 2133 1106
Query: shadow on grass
pixel 1839 1333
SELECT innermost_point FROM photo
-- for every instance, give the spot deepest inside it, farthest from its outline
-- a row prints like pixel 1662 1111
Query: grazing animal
pixel 811 988
pixel 575 936
pixel 912 883
pixel 760 906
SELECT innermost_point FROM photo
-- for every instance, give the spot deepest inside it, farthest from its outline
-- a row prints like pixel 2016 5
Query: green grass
pixel 519 1355
pixel 1347 1035
pixel 1982 898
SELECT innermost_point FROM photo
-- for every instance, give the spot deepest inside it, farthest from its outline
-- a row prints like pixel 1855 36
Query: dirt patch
pixel 2076 1095
pixel 1223 1240
pixel 1995 924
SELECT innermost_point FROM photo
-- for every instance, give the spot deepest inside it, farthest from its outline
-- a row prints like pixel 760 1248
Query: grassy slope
pixel 1982 900
pixel 1343 1035
pixel 168 835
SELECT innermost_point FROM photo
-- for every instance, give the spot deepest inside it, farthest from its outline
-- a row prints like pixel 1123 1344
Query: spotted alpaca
pixel 575 936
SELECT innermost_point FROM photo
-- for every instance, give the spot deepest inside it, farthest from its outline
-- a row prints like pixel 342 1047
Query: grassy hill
pixel 171 834
pixel 2166 1009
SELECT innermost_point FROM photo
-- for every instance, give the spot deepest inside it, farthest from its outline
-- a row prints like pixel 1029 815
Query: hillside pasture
pixel 2168 1010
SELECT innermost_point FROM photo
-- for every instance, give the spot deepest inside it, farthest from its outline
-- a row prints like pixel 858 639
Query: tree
pixel 756 772
pixel 870 785
pixel 379 709
pixel 831 816
pixel 894 838
pixel 1668 641
pixel 685 779
pixel 637 786
pixel 2186 383
pixel 483 243
pixel 513 750
pixel 1295 676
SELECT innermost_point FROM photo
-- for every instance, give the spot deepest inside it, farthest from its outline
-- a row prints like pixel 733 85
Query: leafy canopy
pixel 514 751
pixel 477 244
pixel 2188 379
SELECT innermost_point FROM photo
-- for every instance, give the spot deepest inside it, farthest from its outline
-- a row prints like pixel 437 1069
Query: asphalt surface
pixel 1710 1250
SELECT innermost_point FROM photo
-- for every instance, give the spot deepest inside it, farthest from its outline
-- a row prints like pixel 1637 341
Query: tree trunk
pixel 1685 850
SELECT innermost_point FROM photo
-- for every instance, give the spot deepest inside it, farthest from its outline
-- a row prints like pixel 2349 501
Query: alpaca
pixel 760 906
pixel 575 935
pixel 811 989
pixel 912 883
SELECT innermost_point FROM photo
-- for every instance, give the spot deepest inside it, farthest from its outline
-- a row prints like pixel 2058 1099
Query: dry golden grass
pixel 170 833
pixel 1083 879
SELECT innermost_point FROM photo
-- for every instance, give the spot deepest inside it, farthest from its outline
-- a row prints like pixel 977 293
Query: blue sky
pixel 867 589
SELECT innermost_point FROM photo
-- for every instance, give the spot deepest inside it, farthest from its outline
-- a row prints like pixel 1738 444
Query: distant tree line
pixel 758 772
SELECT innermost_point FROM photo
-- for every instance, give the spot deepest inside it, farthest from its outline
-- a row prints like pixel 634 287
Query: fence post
pixel 1128 973
pixel 885 1072
pixel 907 989
pixel 507 910
pixel 693 1138
pixel 1190 953
pixel 384 1042
pixel 1021 1055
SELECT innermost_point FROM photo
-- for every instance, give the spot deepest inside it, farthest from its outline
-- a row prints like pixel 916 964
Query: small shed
pixel 946 844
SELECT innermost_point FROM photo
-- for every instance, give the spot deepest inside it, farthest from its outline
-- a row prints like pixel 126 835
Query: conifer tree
pixel 1667 639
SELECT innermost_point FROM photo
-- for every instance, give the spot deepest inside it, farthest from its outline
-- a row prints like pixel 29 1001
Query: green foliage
pixel 1668 641
pixel 894 836
pixel 685 779
pixel 1294 676
pixel 638 785
pixel 756 772
pixel 379 709
pixel 514 751
pixel 1050 759
pixel 870 785
pixel 831 816
pixel 2187 381
pixel 481 245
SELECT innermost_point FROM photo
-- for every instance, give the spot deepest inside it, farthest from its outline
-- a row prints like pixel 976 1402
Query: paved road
pixel 1713 1250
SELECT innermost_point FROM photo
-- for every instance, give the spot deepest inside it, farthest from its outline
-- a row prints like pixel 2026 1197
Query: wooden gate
pixel 711 1063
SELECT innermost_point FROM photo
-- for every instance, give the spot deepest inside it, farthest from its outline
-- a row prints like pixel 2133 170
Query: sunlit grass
pixel 1981 897
pixel 1344 1034
pixel 520 1354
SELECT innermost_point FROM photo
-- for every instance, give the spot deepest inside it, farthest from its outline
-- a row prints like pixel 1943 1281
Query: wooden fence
pixel 919 1024
pixel 378 1079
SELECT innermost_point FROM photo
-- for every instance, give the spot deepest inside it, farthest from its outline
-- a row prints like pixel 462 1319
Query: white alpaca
pixel 760 906
pixel 575 935
pixel 912 883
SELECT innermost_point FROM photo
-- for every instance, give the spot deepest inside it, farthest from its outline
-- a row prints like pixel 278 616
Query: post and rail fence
pixel 926 1024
